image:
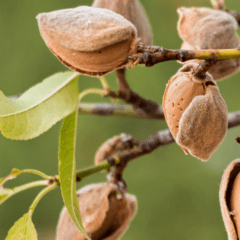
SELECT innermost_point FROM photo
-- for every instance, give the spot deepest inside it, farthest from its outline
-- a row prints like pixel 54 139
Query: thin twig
pixel 233 119
pixel 147 108
pixel 115 110
pixel 122 82
pixel 200 71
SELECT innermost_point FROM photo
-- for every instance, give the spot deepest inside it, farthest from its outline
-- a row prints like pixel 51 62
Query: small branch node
pixel 163 50
pixel 203 67
pixel 111 161
pixel 78 179
pixel 182 55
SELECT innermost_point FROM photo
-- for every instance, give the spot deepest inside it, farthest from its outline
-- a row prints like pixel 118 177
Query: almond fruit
pixel 89 40
pixel 133 11
pixel 204 28
pixel 195 112
pixel 105 215
pixel 229 196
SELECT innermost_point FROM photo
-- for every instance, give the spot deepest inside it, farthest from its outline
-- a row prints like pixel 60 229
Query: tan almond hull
pixel 95 63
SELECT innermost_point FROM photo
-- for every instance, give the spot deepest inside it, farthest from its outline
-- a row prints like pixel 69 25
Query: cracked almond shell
pixel 204 28
pixel 230 199
pixel 195 112
pixel 133 11
pixel 89 40
pixel 105 215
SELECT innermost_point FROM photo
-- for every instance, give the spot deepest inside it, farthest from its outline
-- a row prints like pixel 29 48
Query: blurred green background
pixel 177 194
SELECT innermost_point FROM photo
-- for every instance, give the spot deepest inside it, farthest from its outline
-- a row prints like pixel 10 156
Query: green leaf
pixel 39 108
pixel 23 229
pixel 67 169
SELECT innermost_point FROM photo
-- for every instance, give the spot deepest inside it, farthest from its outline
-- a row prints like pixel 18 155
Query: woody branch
pixel 162 138
pixel 162 55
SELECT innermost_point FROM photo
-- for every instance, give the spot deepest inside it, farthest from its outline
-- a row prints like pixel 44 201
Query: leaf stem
pixel 91 91
pixel 10 192
pixel 36 172
pixel 81 174
pixel 30 185
pixel 104 83
pixel 40 196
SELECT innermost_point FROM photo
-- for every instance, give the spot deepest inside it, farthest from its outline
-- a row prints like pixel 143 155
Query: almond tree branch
pixel 122 82
pixel 147 108
pixel 150 59
pixel 162 138
pixel 233 119
pixel 107 109
pixel 114 110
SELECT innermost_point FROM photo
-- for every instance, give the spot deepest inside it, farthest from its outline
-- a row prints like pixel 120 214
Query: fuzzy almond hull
pixel 95 63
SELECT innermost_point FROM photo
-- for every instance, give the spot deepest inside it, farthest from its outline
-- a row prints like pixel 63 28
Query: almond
pixel 195 112
pixel 133 11
pixel 230 199
pixel 105 215
pixel 89 40
pixel 204 28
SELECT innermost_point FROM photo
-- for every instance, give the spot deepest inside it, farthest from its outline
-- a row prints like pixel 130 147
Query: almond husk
pixel 230 199
pixel 204 123
pixel 89 40
pixel 195 112
pixel 105 215
pixel 133 11
pixel 108 149
pixel 111 147
pixel 203 28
